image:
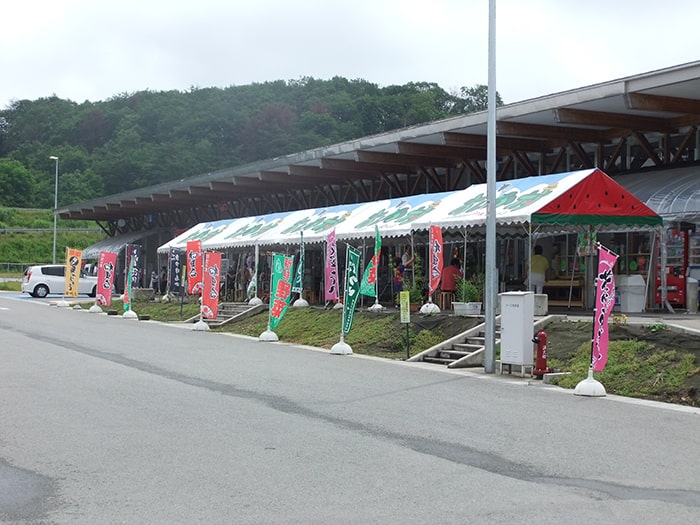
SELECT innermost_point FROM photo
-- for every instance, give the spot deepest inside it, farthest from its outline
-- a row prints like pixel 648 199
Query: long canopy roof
pixel 555 202
pixel 675 195
pixel 621 126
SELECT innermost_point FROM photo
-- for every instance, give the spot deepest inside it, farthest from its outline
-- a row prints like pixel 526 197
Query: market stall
pixel 581 201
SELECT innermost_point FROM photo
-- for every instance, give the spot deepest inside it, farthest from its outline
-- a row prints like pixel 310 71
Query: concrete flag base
pixel 200 326
pixel 341 348
pixel 268 335
pixel 430 308
pixel 590 387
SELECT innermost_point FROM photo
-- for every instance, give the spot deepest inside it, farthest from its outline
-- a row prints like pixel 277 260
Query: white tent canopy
pixel 552 201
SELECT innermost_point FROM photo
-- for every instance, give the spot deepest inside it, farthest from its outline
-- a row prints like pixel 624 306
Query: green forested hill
pixel 139 139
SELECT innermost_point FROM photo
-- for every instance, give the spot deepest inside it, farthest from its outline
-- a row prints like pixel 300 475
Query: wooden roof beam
pixel 556 133
pixel 417 161
pixel 678 105
pixel 502 143
pixel 458 153
pixel 610 120
pixel 374 167
pixel 294 181
pixel 303 170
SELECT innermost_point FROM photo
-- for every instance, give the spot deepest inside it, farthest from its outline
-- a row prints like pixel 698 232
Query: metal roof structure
pixel 644 122
pixel 675 196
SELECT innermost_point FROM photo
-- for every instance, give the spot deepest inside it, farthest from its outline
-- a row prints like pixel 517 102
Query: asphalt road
pixel 109 420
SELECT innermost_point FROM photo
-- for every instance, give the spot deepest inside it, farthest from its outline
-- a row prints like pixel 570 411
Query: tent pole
pixel 571 282
pixel 651 264
pixel 664 281
pixel 529 255
pixel 362 265
pixel 239 274
pixel 323 275
pixel 413 264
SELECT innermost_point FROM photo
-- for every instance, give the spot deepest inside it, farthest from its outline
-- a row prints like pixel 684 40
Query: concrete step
pixel 437 360
pixel 466 348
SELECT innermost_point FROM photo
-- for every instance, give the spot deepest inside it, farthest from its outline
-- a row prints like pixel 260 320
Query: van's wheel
pixel 93 292
pixel 41 291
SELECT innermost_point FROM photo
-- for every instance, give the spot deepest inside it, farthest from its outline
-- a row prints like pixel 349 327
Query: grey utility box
pixel 517 320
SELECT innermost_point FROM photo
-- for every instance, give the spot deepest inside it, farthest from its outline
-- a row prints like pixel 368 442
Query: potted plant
pixel 468 297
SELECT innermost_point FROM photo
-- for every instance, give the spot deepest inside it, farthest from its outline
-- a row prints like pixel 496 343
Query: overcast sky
pixel 92 50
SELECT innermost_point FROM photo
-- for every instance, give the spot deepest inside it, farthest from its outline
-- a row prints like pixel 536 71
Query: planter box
pixel 143 294
pixel 466 308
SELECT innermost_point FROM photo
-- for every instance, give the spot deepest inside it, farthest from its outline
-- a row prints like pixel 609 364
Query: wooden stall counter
pixel 558 292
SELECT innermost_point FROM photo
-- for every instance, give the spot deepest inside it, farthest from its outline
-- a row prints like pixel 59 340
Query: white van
pixel 40 281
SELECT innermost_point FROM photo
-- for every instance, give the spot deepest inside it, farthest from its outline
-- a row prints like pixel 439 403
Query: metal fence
pixel 16 268
pixel 61 230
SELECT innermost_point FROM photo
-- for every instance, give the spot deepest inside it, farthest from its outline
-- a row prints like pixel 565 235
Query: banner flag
pixel 194 267
pixel 127 285
pixel 369 279
pixel 106 268
pixel 174 272
pixel 73 266
pixel 251 290
pixel 281 285
pixel 604 303
pixel 332 282
pixel 436 258
pixel 298 284
pixel 352 287
pixel 133 257
pixel 210 285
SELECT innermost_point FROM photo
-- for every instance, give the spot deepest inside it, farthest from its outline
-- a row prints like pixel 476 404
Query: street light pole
pixel 55 208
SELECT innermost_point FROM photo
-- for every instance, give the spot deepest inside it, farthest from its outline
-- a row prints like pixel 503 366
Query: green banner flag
pixel 352 287
pixel 281 287
pixel 127 288
pixel 298 284
pixel 369 279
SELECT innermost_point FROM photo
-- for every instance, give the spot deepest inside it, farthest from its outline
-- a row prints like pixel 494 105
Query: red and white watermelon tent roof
pixel 549 203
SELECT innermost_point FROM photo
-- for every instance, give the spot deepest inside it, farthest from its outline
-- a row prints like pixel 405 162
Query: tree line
pixel 133 140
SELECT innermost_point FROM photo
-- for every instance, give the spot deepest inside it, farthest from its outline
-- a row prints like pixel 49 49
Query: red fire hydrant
pixel 541 367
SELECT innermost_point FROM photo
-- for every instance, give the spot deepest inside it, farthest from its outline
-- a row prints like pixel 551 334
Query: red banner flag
pixel 210 286
pixel 604 303
pixel 436 257
pixel 106 268
pixel 73 266
pixel 194 267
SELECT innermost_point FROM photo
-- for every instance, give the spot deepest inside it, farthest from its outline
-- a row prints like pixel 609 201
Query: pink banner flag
pixel 331 268
pixel 210 285
pixel 194 267
pixel 604 303
pixel 435 258
pixel 106 268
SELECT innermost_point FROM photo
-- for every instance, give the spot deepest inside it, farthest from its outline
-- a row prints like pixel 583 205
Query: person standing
pixel 539 266
pixel 154 281
pixel 448 281
pixel 397 280
pixel 407 257
pixel 163 280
